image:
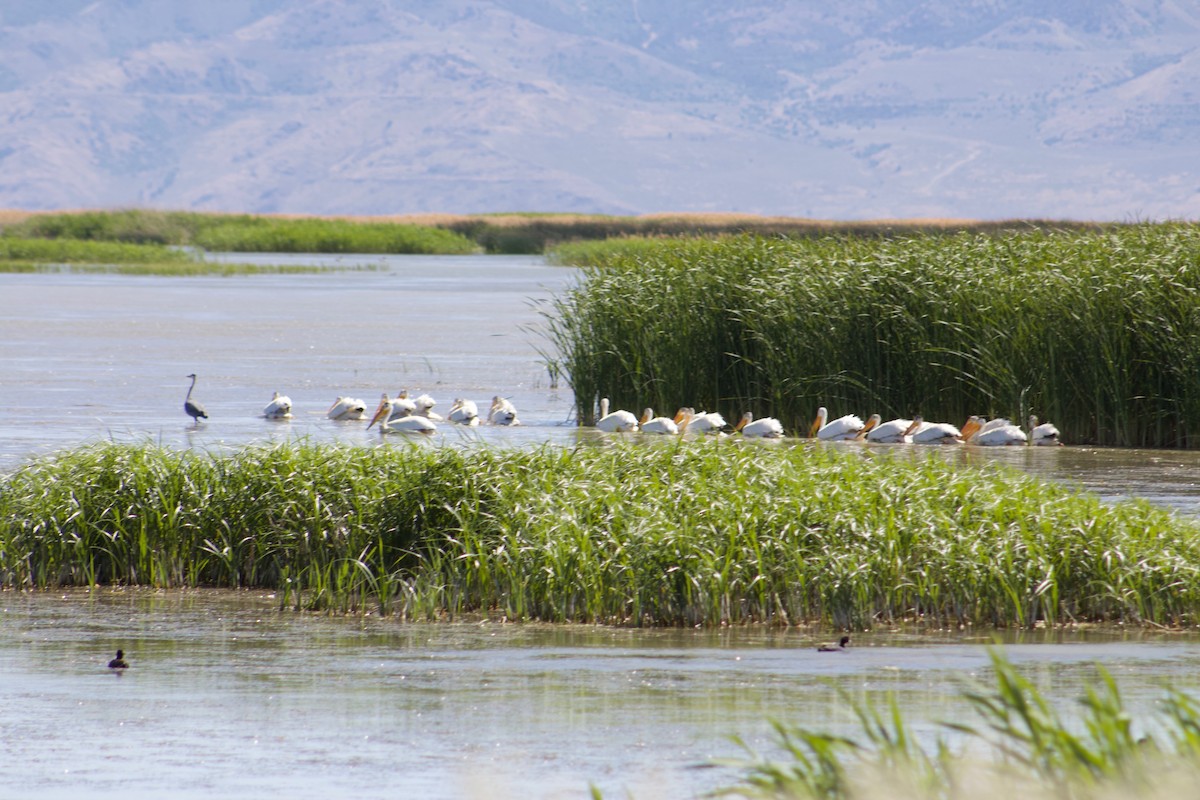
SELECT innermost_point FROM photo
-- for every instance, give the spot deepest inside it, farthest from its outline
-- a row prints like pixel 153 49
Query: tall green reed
pixel 1096 331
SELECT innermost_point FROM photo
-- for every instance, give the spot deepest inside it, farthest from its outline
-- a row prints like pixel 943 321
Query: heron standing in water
pixel 193 408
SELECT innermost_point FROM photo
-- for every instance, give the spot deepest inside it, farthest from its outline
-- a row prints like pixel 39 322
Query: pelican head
pixel 383 411
pixel 819 422
pixel 874 420
pixel 917 421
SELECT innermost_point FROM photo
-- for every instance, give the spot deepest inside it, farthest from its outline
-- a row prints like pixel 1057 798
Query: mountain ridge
pixel 939 109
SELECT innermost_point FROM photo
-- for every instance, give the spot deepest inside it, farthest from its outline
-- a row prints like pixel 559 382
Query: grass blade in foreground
pixel 1034 751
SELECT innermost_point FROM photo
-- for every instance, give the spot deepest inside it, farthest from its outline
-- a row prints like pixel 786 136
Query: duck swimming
pixel 837 648
pixel 119 662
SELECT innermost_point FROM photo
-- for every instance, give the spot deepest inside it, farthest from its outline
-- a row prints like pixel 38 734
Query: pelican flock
pixel 402 414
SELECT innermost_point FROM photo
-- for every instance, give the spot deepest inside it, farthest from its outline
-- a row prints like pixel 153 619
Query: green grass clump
pixel 598 252
pixel 14 251
pixel 240 232
pixel 310 235
pixel 132 226
pixel 692 533
pixel 1098 332
pixel 1022 747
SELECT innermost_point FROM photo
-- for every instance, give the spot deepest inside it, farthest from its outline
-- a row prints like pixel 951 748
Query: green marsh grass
pixel 688 533
pixel 239 233
pixel 493 233
pixel 1098 332
pixel 17 251
pixel 1021 746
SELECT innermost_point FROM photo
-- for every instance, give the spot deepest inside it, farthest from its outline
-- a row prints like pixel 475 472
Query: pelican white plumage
pixel 765 428
pixel 894 431
pixel 841 429
pixel 652 424
pixel 423 407
pixel 502 412
pixel 619 421
pixel 405 423
pixel 463 412
pixel 402 406
pixel 700 422
pixel 1042 435
pixel 922 432
pixel 997 432
pixel 347 408
pixel 280 407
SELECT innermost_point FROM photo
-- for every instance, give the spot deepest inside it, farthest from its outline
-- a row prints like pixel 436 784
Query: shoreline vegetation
pixel 1098 333
pixel 514 233
pixel 706 533
pixel 1019 746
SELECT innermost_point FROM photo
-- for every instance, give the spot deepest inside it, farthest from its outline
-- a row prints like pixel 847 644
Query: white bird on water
pixel 700 422
pixel 894 431
pixel 463 412
pixel 765 428
pixel 922 432
pixel 993 433
pixel 405 423
pixel 423 406
pixel 502 412
pixel 619 421
pixel 652 424
pixel 347 408
pixel 842 429
pixel 280 407
pixel 401 405
pixel 1042 435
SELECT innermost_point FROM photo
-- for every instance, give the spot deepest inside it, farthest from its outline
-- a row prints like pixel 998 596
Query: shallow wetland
pixel 229 696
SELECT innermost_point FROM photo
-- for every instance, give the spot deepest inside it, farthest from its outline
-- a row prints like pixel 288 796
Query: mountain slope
pixel 938 108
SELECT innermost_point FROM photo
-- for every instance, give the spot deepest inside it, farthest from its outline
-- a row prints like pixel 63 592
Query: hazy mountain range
pixel 1085 109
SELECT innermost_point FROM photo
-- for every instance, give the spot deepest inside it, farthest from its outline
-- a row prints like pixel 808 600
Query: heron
pixel 194 410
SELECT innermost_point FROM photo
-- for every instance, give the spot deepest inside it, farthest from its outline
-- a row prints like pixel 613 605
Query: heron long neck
pixel 193 386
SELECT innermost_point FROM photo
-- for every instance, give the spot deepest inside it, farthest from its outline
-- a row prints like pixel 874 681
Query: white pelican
pixel 463 412
pixel 280 407
pixel 765 428
pixel 405 423
pixel 652 424
pixel 993 433
pixel 841 429
pixel 922 432
pixel 193 407
pixel 619 421
pixel 502 412
pixel 893 431
pixel 423 407
pixel 1043 435
pixel 702 422
pixel 401 405
pixel 347 408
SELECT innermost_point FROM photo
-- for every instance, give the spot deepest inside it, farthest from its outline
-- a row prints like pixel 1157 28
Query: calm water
pixel 86 357
pixel 225 696
pixel 229 697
